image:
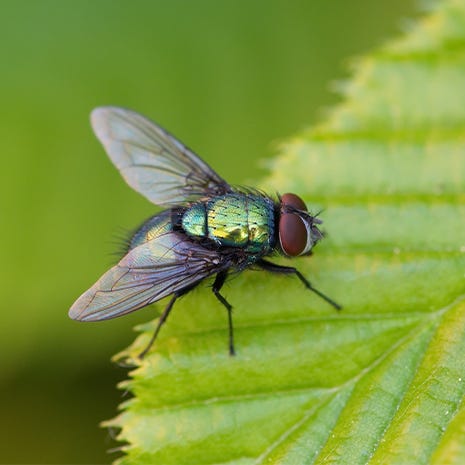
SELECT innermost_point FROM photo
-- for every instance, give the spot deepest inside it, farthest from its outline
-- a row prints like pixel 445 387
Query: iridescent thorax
pixel 233 220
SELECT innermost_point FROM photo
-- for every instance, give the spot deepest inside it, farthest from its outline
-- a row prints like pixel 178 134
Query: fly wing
pixel 149 272
pixel 152 161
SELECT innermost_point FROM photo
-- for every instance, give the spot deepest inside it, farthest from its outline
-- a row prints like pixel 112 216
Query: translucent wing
pixel 149 272
pixel 152 161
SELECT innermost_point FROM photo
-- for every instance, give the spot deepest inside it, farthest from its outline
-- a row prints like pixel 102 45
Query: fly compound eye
pixel 293 234
pixel 293 200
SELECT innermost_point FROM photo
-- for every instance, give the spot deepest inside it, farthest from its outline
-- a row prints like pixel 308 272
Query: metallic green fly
pixel 208 228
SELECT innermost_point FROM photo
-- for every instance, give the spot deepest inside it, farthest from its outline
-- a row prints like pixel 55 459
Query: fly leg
pixel 268 266
pixel 163 318
pixel 217 285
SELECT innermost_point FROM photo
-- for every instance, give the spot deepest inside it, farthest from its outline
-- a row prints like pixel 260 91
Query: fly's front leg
pixel 217 285
pixel 268 266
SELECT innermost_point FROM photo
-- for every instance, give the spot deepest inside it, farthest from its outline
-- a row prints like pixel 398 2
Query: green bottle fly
pixel 207 229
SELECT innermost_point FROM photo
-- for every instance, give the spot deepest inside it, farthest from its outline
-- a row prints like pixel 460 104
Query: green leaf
pixel 383 380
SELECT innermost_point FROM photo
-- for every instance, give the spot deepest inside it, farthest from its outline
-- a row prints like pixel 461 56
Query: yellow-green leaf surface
pixel 382 381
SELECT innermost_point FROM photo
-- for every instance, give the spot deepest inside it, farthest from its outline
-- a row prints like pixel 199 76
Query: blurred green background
pixel 227 77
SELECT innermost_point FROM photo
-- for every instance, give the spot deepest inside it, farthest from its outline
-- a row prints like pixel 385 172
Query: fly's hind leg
pixel 268 266
pixel 163 318
pixel 217 285
pixel 161 321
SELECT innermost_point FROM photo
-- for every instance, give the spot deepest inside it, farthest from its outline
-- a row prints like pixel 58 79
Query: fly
pixel 208 228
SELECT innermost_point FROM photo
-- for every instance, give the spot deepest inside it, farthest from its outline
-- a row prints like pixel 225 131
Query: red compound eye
pixel 293 201
pixel 292 234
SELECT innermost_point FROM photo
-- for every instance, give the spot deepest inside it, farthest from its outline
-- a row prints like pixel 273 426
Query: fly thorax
pixel 236 220
pixel 227 220
pixel 194 220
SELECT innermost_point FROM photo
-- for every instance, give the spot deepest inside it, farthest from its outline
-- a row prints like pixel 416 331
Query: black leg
pixel 162 319
pixel 268 266
pixel 164 316
pixel 217 285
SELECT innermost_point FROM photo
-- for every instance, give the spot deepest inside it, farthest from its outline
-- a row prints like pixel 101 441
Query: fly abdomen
pixel 154 227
